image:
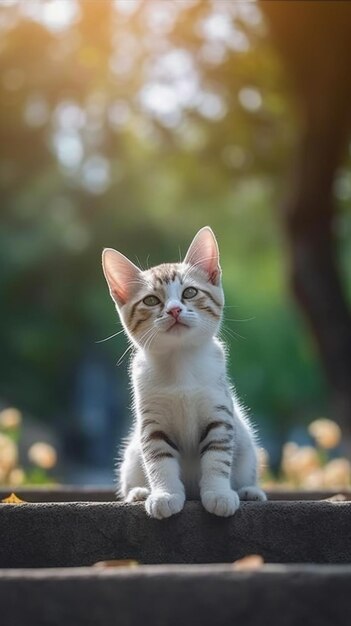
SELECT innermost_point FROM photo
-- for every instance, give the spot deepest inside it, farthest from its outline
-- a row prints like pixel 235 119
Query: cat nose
pixel 174 311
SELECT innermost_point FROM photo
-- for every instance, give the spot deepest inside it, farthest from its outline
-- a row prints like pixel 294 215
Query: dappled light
pixel 131 124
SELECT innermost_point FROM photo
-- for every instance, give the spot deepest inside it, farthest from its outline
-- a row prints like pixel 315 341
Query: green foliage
pixel 106 139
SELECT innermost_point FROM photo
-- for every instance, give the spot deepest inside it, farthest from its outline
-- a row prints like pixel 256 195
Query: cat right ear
pixel 120 273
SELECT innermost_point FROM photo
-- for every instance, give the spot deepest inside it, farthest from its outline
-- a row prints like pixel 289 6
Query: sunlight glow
pixel 69 149
pixel 218 27
pixel 55 15
pixel 96 174
pixel 127 7
pixel 212 106
pixel 160 100
pixel 69 116
pixel 250 99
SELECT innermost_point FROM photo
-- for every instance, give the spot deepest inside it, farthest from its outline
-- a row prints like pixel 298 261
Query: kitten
pixel 190 438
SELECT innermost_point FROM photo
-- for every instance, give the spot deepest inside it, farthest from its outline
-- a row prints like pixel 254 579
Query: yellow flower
pixel 8 453
pixel 10 418
pixel 337 474
pixel 314 480
pixel 298 462
pixel 42 454
pixel 326 433
pixel 307 460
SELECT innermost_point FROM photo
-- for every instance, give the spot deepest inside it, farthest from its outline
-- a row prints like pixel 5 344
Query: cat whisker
pixel 198 262
pixel 233 333
pixel 139 264
pixel 111 336
pixel 138 281
pixel 248 319
pixel 124 354
pixel 150 339
pixel 131 346
pixel 145 337
pixel 226 336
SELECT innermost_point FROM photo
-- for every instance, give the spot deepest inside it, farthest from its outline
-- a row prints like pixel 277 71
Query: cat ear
pixel 120 273
pixel 203 253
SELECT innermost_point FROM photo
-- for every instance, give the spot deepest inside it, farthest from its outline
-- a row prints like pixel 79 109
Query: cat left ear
pixel 203 253
pixel 121 275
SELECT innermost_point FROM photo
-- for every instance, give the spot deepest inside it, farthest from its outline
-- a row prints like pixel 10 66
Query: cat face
pixel 173 304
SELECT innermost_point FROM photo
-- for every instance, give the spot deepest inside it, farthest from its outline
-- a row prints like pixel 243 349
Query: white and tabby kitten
pixel 190 438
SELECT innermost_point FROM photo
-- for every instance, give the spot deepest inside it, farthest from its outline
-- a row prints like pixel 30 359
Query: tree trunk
pixel 309 219
pixel 315 43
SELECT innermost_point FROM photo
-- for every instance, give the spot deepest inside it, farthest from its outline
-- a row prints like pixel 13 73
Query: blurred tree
pixel 315 43
pixel 131 123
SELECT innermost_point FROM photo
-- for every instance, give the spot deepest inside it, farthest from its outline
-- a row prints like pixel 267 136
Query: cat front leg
pixel 161 460
pixel 244 470
pixel 132 481
pixel 216 450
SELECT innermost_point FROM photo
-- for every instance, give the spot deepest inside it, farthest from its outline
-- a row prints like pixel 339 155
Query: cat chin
pixel 177 328
pixel 178 339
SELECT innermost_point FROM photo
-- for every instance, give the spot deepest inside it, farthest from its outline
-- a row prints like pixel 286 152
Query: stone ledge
pixel 73 493
pixel 174 595
pixel 78 534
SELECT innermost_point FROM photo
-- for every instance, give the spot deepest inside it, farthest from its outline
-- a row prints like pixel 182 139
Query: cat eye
pixel 189 292
pixel 151 300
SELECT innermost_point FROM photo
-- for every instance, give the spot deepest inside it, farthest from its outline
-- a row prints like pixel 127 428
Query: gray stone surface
pixel 77 534
pixel 74 493
pixel 177 596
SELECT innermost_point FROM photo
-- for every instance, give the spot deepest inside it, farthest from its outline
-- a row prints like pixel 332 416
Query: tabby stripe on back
pixel 156 455
pixel 211 426
pixel 214 445
pixel 162 455
pixel 161 436
pixel 217 444
pixel 224 473
pixel 222 407
pixel 227 463
pixel 148 421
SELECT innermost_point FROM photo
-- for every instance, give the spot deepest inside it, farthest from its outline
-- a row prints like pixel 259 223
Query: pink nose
pixel 175 312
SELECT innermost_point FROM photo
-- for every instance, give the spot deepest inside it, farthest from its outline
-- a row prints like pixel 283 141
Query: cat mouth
pixel 176 326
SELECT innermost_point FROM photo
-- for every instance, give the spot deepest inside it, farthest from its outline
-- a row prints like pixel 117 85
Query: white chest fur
pixel 181 391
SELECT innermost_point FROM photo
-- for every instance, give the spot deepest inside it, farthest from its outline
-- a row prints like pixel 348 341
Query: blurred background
pixel 131 124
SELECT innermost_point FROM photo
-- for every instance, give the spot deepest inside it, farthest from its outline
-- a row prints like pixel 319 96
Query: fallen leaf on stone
pixel 13 499
pixel 253 561
pixel 117 563
pixel 339 497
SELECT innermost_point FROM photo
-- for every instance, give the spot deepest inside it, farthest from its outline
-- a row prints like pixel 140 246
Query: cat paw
pixel 162 505
pixel 252 493
pixel 222 503
pixel 138 494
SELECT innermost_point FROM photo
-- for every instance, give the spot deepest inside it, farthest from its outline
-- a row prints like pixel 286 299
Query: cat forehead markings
pixel 166 273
